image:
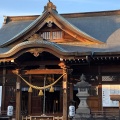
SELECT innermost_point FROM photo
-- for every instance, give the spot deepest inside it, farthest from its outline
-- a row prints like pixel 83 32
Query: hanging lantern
pixel 30 89
pixel 51 89
pixel 40 93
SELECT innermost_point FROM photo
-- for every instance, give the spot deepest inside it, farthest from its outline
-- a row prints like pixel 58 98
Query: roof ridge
pixel 71 15
pixel 91 14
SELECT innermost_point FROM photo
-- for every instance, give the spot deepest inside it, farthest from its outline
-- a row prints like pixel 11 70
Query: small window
pixel 57 35
pixel 52 35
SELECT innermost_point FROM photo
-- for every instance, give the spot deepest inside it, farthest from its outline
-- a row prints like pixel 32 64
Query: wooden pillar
pixel 18 97
pixel 71 91
pixel 65 96
pixel 65 91
pixel 3 90
pixel 100 92
pixel 29 99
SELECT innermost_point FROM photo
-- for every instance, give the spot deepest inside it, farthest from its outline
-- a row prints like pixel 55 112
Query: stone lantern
pixel 83 110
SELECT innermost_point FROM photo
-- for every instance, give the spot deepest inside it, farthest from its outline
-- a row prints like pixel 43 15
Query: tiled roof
pixel 99 27
pixel 11 29
pixel 43 44
pixel 68 49
pixel 102 27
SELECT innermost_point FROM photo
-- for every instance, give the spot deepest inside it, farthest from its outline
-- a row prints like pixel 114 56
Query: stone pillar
pixel 18 97
pixel 83 110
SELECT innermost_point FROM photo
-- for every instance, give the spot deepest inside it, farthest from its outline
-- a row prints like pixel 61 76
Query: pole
pixel 44 96
pixel 119 110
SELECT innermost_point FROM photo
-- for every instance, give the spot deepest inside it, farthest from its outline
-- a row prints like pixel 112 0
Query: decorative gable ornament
pixel 36 51
pixel 49 20
pixel 35 37
pixel 50 6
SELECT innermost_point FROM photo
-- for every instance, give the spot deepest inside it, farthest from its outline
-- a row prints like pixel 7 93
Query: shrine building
pixel 43 56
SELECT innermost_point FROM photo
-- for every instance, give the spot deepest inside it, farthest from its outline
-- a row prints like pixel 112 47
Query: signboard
pixel 108 90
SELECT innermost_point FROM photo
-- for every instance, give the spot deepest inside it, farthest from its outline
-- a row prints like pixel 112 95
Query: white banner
pixel 108 90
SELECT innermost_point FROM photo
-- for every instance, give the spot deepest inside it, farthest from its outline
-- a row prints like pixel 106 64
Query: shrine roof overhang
pixel 64 51
pixel 42 45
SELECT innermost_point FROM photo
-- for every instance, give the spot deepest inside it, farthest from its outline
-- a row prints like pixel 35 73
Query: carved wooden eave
pixel 38 46
pixel 51 15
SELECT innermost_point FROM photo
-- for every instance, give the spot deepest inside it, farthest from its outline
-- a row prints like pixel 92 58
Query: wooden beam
pixel 29 63
pixel 41 71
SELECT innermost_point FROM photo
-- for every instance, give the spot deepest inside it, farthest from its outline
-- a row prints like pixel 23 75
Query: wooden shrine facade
pixel 36 50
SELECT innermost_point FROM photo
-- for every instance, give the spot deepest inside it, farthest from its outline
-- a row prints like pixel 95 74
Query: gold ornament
pixel 40 93
pixel 30 89
pixel 51 89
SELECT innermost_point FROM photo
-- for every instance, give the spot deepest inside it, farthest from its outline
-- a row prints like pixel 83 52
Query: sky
pixel 35 7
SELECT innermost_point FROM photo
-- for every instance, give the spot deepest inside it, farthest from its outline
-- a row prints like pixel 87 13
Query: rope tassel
pixel 30 89
pixel 51 89
pixel 40 93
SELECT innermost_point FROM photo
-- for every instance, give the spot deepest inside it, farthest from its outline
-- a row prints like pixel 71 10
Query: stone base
pixel 83 111
pixel 81 116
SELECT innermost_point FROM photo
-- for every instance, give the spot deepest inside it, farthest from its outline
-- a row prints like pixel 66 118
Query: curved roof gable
pixel 50 14
pixel 42 45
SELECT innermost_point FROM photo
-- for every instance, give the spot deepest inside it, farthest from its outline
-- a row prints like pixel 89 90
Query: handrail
pixel 105 113
pixel 5 112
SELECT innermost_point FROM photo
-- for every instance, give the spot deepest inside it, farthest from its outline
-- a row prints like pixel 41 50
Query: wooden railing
pixel 5 113
pixel 41 118
pixel 94 114
pixel 105 114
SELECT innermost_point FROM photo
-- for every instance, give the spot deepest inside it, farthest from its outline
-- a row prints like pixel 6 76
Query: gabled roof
pixel 91 26
pixel 14 32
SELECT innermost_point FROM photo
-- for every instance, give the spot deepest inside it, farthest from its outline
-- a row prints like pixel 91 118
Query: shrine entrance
pixel 24 103
pixel 45 101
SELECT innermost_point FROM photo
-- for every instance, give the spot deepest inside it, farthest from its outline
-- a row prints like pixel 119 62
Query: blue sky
pixel 35 7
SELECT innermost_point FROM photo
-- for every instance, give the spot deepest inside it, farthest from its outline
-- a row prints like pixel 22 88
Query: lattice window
pixel 110 78
pixel 52 35
pixel 57 35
